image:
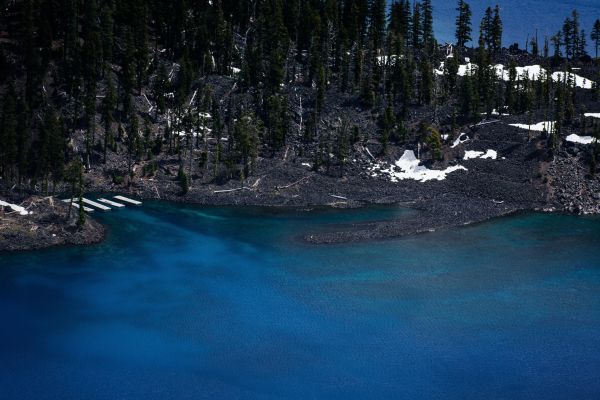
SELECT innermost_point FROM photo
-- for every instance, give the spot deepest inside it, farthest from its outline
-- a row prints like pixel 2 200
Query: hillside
pixel 295 103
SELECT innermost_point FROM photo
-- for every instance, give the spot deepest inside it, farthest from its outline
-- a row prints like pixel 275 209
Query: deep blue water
pixel 520 18
pixel 222 303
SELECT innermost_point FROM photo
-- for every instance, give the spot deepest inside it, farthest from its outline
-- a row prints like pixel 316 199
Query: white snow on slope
pixel 580 139
pixel 548 126
pixel 14 207
pixel 407 167
pixel 490 154
pixel 579 81
pixel 592 115
pixel 533 73
pixel 461 139
pixel 391 60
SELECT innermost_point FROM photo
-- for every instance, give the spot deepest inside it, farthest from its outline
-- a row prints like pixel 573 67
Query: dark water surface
pixel 222 303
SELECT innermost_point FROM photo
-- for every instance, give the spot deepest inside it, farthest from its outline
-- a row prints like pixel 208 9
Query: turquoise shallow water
pixel 222 303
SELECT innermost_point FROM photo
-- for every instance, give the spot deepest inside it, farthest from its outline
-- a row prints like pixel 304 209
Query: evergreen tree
pixel 485 29
pixel 557 41
pixel 428 36
pixel 417 30
pixel 595 36
pixel 496 32
pixel 108 109
pixel 377 23
pixel 463 23
pixel 182 179
pixel 389 125
pixel 468 99
pixel 81 216
pixel 8 136
pixel 276 121
pixel 426 86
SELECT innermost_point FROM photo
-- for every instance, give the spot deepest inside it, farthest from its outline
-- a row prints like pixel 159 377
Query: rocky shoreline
pixel 48 225
pixel 520 179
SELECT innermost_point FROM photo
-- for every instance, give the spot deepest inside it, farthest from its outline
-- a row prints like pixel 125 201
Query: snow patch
pixel 391 60
pixel 461 139
pixel 532 72
pixel 580 139
pixel 547 126
pixel 579 81
pixel 592 115
pixel 16 208
pixel 407 167
pixel 489 155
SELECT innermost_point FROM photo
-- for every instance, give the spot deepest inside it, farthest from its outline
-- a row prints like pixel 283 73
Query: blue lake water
pixel 222 303
pixel 520 17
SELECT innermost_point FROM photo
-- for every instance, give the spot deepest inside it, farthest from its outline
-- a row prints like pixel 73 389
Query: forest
pixel 85 82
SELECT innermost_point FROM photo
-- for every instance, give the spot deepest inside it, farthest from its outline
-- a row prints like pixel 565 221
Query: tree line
pixel 74 69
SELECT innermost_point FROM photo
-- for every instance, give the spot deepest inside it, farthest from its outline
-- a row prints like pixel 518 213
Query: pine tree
pixel 468 99
pixel 463 24
pixel 275 41
pixel 582 44
pixel 321 89
pixel 428 36
pixel 8 136
pixel 496 31
pixel 182 179
pixel 377 23
pixel 426 86
pixel 276 121
pixel 485 28
pixel 107 24
pixel 557 41
pixel 595 36
pixel 576 35
pixel 451 68
pixel 81 216
pixel 108 109
pixel 389 124
pixel 417 30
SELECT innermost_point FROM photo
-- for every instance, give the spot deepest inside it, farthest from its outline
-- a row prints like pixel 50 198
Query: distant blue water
pixel 222 303
pixel 520 18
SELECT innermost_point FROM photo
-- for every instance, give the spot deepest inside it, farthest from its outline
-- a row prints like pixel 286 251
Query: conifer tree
pixel 428 36
pixel 485 28
pixel 496 30
pixel 377 23
pixel 107 33
pixel 8 136
pixel 389 124
pixel 595 36
pixel 468 99
pixel 108 109
pixel 557 42
pixel 463 23
pixel 426 82
pixel 417 30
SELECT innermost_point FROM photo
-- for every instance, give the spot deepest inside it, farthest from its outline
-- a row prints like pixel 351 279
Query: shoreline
pixel 521 179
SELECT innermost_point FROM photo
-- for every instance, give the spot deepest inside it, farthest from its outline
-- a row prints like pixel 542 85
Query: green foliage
pixel 183 181
pixel 463 23
pixel 432 138
pixel 134 63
